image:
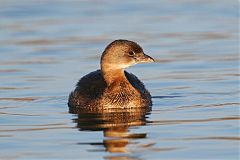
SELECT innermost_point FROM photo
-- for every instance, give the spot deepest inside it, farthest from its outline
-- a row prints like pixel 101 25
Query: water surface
pixel 46 46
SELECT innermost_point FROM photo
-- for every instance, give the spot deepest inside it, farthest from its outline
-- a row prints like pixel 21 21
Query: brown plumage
pixel 112 87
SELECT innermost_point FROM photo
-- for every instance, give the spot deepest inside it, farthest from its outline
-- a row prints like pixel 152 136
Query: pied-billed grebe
pixel 112 87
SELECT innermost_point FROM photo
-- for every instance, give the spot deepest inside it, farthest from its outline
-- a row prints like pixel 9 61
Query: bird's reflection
pixel 114 124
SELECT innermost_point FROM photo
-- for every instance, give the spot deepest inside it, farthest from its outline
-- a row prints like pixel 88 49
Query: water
pixel 46 46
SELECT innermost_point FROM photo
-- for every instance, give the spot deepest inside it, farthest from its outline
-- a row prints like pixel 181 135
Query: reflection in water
pixel 115 126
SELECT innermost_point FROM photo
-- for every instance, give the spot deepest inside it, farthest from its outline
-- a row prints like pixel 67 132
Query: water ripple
pixel 27 99
pixel 184 121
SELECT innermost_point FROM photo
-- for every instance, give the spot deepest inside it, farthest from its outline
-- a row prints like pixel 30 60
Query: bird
pixel 111 87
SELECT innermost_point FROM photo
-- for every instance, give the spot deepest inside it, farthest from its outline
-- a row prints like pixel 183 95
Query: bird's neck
pixel 112 75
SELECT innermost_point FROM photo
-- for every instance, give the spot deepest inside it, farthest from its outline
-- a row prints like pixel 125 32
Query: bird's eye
pixel 131 53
